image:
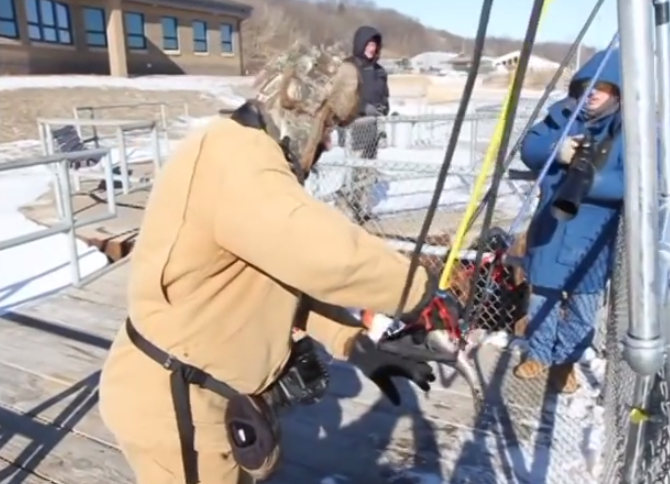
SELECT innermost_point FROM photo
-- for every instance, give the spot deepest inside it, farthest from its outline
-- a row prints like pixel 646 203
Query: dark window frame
pixel 11 20
pixel 227 45
pixel 174 38
pixel 196 40
pixel 88 31
pixel 129 35
pixel 41 26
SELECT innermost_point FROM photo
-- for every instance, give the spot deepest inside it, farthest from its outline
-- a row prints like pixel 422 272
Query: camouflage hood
pixel 304 93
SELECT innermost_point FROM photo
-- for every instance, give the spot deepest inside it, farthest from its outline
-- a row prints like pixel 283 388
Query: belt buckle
pixel 169 363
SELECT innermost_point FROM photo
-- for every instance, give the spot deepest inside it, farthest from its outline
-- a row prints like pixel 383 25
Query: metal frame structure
pixel 121 128
pixel 644 344
pixel 94 112
pixel 69 222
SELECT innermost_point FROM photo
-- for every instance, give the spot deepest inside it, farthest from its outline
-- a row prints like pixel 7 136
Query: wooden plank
pixel 75 406
pixel 58 455
pixel 91 202
pixel 56 352
pixel 10 474
pixel 110 289
pixel 101 320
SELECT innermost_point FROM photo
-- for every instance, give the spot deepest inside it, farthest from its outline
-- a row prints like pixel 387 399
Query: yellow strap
pixel 487 166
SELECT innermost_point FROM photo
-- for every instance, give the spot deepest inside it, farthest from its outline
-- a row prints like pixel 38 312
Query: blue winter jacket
pixel 575 256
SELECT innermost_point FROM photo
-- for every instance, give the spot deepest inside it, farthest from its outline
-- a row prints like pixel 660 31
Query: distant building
pixel 509 61
pixel 121 37
pixel 464 64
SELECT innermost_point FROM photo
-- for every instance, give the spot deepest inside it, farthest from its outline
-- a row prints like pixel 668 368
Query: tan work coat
pixel 227 230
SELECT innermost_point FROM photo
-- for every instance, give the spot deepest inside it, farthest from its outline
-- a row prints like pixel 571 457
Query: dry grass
pixel 535 79
pixel 409 85
pixel 20 108
pixel 421 86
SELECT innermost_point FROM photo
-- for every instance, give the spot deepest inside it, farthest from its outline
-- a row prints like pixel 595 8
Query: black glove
pixel 380 366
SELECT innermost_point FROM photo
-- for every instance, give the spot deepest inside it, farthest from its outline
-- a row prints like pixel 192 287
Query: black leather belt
pixel 181 376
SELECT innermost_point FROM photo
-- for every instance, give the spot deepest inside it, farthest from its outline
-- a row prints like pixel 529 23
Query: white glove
pixel 371 110
pixel 567 151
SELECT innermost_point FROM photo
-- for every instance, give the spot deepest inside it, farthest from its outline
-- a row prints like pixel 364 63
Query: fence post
pixel 643 344
pixel 123 161
pixel 75 114
pixel 164 124
pixel 155 141
pixel 68 218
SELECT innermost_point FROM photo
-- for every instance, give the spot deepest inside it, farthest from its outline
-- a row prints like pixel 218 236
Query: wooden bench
pixel 67 140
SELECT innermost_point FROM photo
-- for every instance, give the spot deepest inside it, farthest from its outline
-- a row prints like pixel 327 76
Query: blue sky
pixel 563 21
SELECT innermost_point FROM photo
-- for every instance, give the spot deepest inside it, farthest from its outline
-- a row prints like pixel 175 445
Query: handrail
pixel 19 163
pixel 124 124
pixel 69 223
pixel 162 114
pixel 121 127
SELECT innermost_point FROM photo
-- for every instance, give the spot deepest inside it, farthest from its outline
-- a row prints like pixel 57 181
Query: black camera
pixel 305 379
pixel 577 182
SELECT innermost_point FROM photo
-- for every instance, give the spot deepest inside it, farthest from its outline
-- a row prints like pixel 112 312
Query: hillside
pixel 276 24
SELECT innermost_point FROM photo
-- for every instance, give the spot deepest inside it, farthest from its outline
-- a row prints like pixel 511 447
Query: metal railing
pixel 69 223
pixel 94 112
pixel 121 127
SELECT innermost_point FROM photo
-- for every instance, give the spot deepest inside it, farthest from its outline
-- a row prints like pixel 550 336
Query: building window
pixel 135 36
pixel 170 33
pixel 49 21
pixel 200 36
pixel 95 27
pixel 227 38
pixel 8 26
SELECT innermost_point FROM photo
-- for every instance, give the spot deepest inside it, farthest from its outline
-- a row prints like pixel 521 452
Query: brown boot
pixel 529 369
pixel 563 379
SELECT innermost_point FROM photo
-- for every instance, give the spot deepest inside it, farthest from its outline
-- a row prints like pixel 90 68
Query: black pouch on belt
pixel 254 434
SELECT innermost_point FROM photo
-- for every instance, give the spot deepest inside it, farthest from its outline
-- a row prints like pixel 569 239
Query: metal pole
pixel 643 345
pixel 123 162
pixel 662 20
pixel 68 218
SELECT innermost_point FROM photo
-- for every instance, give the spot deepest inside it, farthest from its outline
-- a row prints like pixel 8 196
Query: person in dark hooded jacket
pixel 374 103
pixel 374 89
pixel 568 263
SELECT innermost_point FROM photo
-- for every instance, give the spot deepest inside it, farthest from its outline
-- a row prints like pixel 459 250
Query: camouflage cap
pixel 305 91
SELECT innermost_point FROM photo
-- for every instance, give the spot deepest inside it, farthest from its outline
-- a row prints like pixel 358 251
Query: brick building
pixel 121 37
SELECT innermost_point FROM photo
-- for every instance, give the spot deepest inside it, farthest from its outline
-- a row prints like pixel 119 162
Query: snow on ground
pixel 218 86
pixel 38 268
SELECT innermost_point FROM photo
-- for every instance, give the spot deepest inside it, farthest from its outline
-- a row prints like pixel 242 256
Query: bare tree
pixel 277 24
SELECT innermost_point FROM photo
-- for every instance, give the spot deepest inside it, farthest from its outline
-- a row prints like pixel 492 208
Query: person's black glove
pixel 380 366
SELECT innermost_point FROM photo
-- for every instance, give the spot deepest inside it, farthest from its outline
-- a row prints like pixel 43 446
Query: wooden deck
pixel 50 430
pixel 114 237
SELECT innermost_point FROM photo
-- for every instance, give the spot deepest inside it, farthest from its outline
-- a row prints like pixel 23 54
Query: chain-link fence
pixel 382 175
pixel 622 421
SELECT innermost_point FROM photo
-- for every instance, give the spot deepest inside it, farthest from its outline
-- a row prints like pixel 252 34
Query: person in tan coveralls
pixel 229 242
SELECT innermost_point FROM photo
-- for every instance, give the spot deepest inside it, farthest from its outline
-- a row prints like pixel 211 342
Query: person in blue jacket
pixel 568 263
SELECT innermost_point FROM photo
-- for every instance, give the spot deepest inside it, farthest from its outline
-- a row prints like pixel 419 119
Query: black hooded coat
pixel 374 88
